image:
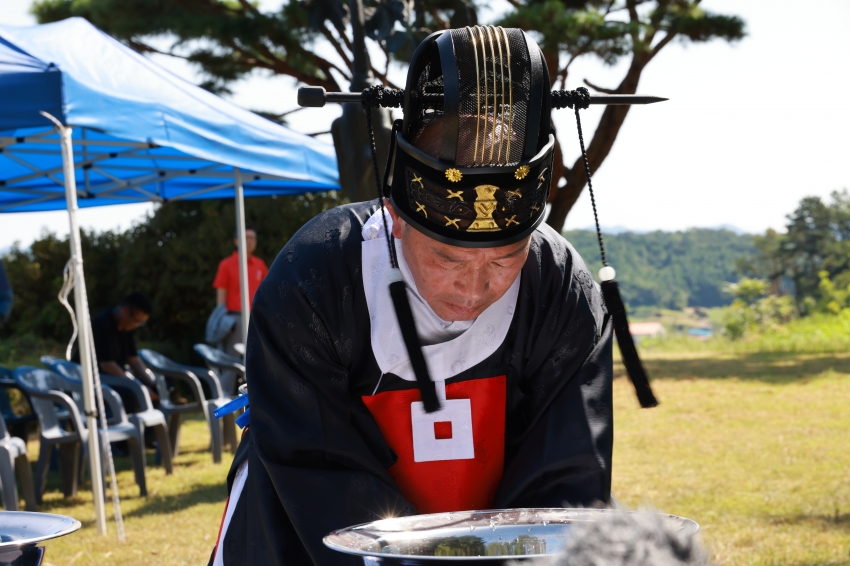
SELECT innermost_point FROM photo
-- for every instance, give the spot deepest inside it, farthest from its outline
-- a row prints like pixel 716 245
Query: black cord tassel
pixel 634 367
pixel 372 98
pixel 578 99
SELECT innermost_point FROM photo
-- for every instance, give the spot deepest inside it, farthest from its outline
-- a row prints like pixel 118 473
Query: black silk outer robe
pixel 316 458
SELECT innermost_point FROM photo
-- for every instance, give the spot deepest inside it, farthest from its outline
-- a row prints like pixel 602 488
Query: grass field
pixel 755 447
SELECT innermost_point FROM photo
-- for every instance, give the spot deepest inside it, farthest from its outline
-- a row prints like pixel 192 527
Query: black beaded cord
pixel 373 97
pixel 579 99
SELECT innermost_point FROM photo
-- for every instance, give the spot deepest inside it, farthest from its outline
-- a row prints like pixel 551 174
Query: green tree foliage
pixel 669 269
pixel 172 257
pixel 753 308
pixel 228 39
pixel 817 239
pixel 832 298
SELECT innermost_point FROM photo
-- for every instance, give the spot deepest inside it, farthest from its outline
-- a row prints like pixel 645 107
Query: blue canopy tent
pixel 86 121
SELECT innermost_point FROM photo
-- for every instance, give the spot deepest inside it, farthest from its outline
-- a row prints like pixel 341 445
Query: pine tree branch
pixel 660 45
pixel 655 21
pixel 333 41
pixel 282 67
pixel 436 15
pixel 341 33
pixel 248 7
pixel 634 19
pixel 599 88
pixel 142 47
pixel 384 78
pixel 383 47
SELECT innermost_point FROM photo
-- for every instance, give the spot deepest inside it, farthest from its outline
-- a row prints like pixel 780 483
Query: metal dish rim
pixel 372 554
pixel 72 526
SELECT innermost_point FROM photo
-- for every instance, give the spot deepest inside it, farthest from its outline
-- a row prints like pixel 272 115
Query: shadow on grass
pixel 820 521
pixel 55 502
pixel 152 504
pixel 193 495
pixel 776 368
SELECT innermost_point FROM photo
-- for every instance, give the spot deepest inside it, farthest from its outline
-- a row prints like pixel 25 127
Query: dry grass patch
pixel 754 447
pixel 176 524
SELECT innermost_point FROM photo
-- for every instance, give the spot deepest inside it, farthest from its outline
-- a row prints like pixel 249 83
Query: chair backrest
pixel 159 362
pixel 49 361
pixel 171 369
pixel 72 374
pixel 4 433
pixel 162 388
pixel 6 380
pixel 5 375
pixel 38 381
pixel 217 357
pixel 68 370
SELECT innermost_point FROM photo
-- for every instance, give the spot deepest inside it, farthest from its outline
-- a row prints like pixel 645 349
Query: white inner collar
pixel 449 347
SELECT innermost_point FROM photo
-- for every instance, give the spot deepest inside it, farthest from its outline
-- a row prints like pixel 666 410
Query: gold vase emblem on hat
pixel 485 206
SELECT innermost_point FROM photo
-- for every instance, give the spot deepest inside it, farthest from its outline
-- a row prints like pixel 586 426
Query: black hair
pixel 138 301
pixel 236 232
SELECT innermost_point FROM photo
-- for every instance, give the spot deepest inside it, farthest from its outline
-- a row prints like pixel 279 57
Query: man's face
pixel 130 319
pixel 250 241
pixel 458 283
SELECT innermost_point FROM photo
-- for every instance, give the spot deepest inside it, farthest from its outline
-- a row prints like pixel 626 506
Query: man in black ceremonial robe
pixel 513 328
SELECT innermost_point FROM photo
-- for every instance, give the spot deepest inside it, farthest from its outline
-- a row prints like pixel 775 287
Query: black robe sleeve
pixel 315 464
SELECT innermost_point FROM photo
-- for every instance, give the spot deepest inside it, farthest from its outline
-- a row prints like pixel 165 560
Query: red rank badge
pixel 450 460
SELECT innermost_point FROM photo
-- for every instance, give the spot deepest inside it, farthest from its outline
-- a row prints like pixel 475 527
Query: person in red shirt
pixel 226 281
pixel 227 288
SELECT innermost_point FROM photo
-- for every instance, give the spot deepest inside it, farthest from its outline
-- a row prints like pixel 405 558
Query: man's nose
pixel 473 284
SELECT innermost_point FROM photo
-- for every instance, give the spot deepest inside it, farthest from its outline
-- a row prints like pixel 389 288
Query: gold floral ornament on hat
pixel 453 175
pixel 521 172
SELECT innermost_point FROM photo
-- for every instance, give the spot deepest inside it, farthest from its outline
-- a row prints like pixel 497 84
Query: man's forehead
pixel 465 254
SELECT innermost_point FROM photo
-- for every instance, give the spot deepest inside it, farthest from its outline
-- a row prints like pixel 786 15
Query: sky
pixel 749 130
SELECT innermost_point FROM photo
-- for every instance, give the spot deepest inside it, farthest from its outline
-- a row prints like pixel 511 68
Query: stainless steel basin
pixel 483 537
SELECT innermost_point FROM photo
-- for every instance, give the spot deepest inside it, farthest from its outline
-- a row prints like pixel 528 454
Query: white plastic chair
pixel 13 458
pixel 207 399
pixel 147 417
pixel 46 389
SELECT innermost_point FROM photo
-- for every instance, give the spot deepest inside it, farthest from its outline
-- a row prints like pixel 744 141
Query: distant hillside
pixel 668 269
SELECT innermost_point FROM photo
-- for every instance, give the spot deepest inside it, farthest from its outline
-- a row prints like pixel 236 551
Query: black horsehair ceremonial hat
pixel 470 164
pixel 481 97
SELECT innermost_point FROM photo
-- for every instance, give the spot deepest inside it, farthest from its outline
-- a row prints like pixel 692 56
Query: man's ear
pixel 398 223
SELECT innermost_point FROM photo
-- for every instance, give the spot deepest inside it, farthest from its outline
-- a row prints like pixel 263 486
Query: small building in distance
pixel 700 333
pixel 641 330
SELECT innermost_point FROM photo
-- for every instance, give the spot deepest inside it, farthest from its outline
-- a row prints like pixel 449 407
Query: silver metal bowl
pixel 483 537
pixel 21 531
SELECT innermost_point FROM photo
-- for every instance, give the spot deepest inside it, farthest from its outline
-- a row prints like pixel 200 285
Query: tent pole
pixel 243 253
pixel 83 326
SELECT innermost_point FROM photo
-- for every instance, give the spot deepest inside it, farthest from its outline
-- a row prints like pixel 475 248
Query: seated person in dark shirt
pixel 114 344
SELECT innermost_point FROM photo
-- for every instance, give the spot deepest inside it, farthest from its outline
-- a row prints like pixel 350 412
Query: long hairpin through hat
pixel 494 82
